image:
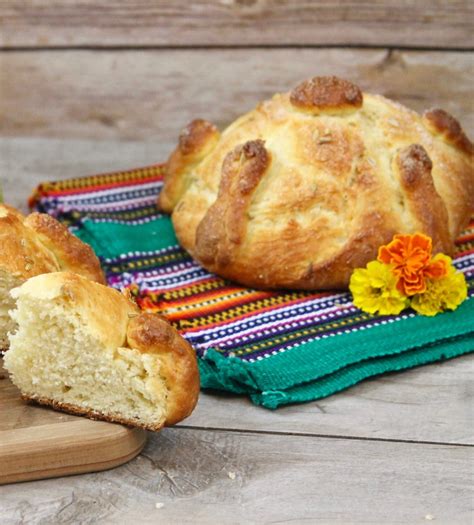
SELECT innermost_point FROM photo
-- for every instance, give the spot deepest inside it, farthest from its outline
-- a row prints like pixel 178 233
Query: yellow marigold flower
pixel 446 293
pixel 374 290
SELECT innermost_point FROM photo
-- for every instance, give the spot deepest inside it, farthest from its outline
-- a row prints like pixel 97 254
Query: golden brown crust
pixel 414 170
pixel 440 121
pixel 195 141
pixel 326 94
pixel 195 137
pixel 361 247
pixel 222 229
pixel 76 410
pixel 70 252
pixel 6 208
pixel 22 254
pixel 39 244
pixel 255 270
pixel 343 179
pixel 151 333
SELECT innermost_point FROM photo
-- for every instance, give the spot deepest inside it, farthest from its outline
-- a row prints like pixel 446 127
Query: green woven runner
pixel 277 347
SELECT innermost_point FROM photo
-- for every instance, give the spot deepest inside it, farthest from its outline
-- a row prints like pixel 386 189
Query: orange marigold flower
pixel 410 257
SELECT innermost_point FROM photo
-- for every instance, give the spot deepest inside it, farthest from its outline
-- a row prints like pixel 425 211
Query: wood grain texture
pixel 203 477
pixel 25 162
pixel 37 443
pixel 150 95
pixel 430 403
pixel 59 109
pixel 421 23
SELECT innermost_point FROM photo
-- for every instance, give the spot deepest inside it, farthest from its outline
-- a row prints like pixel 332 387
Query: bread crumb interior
pixel 54 357
pixel 7 303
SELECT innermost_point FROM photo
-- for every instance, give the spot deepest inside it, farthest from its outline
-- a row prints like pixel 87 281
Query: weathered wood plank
pixel 26 162
pixel 432 403
pixel 150 95
pixel 235 478
pixel 422 23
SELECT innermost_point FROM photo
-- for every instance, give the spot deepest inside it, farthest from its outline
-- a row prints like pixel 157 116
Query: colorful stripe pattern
pixel 128 197
pixel 208 311
pixel 277 347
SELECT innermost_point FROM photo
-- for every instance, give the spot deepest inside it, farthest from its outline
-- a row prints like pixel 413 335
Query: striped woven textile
pixel 278 347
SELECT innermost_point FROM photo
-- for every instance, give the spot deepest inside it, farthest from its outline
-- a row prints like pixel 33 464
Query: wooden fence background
pixel 139 70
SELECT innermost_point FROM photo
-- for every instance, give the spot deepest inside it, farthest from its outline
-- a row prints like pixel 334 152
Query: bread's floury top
pixel 306 187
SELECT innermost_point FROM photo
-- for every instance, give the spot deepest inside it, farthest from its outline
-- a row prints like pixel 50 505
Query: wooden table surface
pixel 87 87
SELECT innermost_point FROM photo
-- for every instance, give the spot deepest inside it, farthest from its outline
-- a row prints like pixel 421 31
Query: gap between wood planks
pixel 200 47
pixel 322 436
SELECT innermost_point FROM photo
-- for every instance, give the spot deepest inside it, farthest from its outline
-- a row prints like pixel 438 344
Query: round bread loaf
pixel 306 187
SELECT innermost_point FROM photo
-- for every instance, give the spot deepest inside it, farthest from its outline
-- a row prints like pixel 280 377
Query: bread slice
pixel 87 349
pixel 34 245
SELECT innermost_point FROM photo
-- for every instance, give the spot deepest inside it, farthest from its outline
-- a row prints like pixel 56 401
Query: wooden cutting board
pixel 36 442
